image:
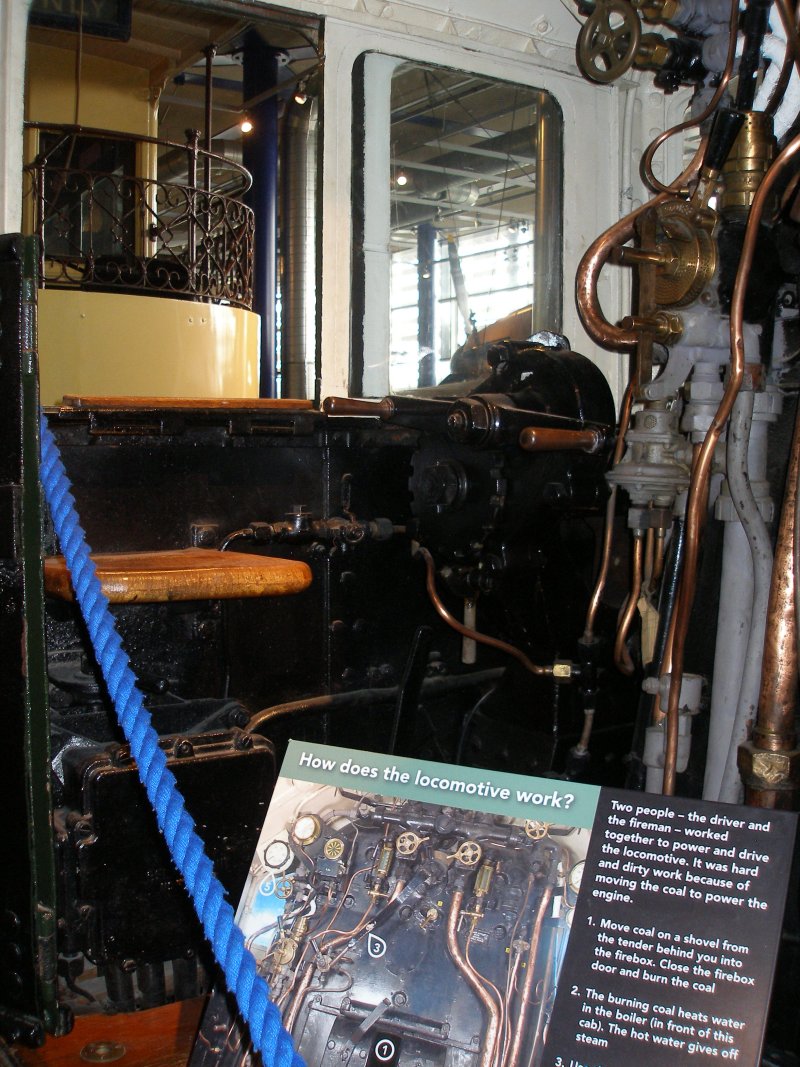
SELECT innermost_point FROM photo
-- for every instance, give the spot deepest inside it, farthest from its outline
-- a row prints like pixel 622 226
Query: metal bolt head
pixel 204 534
pixel 102 1052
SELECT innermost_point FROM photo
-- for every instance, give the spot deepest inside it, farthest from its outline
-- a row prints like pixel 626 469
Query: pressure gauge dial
pixel 306 829
pixel 277 855
pixel 574 882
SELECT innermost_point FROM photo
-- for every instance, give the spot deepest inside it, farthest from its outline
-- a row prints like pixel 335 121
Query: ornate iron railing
pixel 103 225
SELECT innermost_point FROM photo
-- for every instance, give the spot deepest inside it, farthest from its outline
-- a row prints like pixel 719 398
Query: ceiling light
pixel 300 93
pixel 246 125
pixel 401 179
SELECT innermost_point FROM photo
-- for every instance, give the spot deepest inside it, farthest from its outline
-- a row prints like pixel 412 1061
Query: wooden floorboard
pixel 160 1037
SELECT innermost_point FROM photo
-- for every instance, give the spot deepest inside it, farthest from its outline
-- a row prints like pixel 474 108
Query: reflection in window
pixel 475 220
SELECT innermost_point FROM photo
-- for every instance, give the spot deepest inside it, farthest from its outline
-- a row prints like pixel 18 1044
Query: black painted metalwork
pixel 104 225
pixel 27 887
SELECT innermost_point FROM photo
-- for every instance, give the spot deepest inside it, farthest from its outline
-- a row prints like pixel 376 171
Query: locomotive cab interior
pixel 426 384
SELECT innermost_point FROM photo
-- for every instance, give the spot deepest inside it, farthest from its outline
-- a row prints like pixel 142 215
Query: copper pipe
pixel 622 659
pixel 781 83
pixel 646 165
pixel 774 730
pixel 790 27
pixel 608 530
pixel 649 557
pixel 594 259
pixel 290 1017
pixel 658 713
pixel 492 1012
pixel 658 561
pixel 597 255
pixel 496 995
pixel 698 490
pixel 342 935
pixel 520 1030
pixel 465 631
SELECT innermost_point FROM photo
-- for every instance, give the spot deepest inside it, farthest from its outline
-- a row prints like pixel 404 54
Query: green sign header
pixel 543 799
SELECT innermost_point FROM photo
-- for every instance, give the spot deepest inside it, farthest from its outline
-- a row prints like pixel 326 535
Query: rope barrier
pixel 188 852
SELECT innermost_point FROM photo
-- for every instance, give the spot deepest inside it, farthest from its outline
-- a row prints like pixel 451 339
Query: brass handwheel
pixel 609 41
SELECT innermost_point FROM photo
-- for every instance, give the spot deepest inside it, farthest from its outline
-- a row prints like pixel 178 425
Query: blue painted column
pixel 260 156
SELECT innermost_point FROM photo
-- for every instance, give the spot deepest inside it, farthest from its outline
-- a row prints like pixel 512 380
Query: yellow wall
pixel 112 344
pixel 114 96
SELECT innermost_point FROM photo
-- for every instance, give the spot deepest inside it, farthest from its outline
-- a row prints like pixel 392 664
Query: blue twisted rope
pixel 187 850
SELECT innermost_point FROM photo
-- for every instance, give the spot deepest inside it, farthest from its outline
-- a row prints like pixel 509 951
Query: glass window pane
pixel 475 219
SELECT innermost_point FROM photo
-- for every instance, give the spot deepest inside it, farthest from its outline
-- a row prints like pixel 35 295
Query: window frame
pixel 589 206
pixel 371 323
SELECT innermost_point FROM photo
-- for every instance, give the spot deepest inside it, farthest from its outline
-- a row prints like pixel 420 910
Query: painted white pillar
pixel 378 71
pixel 13 27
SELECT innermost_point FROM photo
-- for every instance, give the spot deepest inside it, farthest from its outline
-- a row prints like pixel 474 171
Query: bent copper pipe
pixel 465 631
pixel 601 331
pixel 520 1030
pixel 487 1055
pixel 299 997
pixel 622 659
pixel 608 529
pixel 698 489
pixel 597 255
pixel 646 165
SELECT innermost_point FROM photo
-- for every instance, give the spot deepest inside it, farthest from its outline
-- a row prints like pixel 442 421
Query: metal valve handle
pixel 608 41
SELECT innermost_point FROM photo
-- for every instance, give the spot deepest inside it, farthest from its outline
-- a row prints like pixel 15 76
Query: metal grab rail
pixel 121 231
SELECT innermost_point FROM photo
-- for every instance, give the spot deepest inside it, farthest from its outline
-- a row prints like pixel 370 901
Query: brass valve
pixel 665 328
pixel 652 53
pixel 657 10
pixel 611 39
pixel 747 163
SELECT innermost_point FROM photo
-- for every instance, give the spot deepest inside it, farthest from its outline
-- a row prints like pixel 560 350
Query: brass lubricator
pixel 483 883
pixel 676 260
pixel 748 162
pixel 685 253
pixel 286 949
pixel 383 865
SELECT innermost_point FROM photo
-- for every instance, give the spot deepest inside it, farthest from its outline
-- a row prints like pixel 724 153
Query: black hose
pixel 754 25
pixel 358 698
pixel 669 590
pixel 467 722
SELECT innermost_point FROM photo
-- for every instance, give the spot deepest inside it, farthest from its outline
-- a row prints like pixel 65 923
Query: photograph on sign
pixel 392 930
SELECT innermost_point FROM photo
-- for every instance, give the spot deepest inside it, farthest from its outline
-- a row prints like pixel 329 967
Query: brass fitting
pixel 380 871
pixel 483 880
pixel 666 328
pixel 657 10
pixel 653 52
pixel 748 162
pixel 765 771
pixel 685 236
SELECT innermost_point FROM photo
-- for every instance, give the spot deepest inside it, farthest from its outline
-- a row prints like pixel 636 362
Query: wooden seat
pixel 183 574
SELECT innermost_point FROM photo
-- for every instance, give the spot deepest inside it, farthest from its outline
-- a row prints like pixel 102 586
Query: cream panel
pixel 112 344
pixel 114 96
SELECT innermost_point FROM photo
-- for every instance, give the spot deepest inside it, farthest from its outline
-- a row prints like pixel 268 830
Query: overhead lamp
pixel 401 179
pixel 246 124
pixel 301 92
